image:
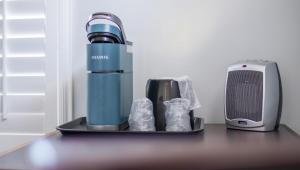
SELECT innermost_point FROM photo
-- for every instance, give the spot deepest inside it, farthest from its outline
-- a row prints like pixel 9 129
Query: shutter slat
pixel 25 103
pixel 1 29
pixel 24 8
pixel 33 84
pixel 1 47
pixel 26 27
pixel 25 65
pixel 27 55
pixel 25 17
pixel 21 46
pixel 1 65
pixel 1 7
pixel 1 87
pixel 22 124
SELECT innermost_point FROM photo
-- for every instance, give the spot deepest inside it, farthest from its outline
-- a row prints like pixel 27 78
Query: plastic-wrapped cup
pixel 141 116
pixel 177 115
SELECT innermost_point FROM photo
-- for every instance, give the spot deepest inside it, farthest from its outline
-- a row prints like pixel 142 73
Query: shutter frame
pixel 29 66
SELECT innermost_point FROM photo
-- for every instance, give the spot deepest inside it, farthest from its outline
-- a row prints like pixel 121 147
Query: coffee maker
pixel 109 73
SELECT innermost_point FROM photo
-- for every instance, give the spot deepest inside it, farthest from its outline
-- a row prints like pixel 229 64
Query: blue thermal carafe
pixel 109 65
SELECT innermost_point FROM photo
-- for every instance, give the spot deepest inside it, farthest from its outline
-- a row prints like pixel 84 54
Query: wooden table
pixel 214 148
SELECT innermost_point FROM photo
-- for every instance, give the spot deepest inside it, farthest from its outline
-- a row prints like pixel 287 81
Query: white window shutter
pixel 28 67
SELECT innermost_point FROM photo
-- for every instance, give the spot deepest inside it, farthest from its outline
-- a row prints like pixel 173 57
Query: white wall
pixel 199 38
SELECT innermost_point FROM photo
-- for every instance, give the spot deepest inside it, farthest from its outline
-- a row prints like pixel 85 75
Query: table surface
pixel 214 148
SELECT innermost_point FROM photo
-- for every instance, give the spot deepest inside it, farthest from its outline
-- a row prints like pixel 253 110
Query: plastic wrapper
pixel 177 115
pixel 187 91
pixel 141 116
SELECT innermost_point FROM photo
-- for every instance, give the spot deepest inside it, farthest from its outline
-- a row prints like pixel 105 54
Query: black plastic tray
pixel 79 126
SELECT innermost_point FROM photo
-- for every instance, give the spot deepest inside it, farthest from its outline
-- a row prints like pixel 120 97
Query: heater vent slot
pixel 244 95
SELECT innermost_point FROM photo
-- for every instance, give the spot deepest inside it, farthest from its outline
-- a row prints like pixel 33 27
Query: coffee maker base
pixel 118 127
pixel 103 127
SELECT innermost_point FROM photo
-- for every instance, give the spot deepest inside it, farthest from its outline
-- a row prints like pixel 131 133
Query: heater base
pixel 257 129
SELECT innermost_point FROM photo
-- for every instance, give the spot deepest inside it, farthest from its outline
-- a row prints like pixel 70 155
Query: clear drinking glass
pixel 141 116
pixel 177 115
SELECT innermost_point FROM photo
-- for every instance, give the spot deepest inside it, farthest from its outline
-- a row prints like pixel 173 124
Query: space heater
pixel 253 96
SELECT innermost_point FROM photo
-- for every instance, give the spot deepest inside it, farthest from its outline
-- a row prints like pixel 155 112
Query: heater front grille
pixel 244 95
